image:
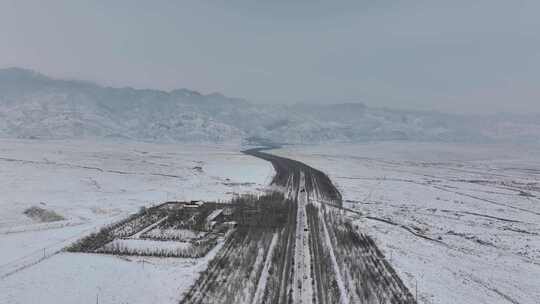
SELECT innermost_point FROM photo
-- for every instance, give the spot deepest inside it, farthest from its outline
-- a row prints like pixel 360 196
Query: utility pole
pixel 97 294
pixel 416 289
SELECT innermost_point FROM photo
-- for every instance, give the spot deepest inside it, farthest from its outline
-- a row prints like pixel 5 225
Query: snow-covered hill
pixel 35 106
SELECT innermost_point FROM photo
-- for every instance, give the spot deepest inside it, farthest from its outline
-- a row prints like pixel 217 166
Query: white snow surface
pixel 479 203
pixel 183 234
pixel 148 245
pixel 92 184
pixel 90 278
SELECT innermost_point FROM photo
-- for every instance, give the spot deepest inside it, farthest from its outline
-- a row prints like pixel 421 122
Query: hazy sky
pixel 459 55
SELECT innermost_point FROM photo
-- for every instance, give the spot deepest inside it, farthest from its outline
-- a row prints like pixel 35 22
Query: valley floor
pixel 90 185
pixel 459 223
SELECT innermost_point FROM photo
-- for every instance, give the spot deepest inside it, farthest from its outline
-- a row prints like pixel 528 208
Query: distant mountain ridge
pixel 35 106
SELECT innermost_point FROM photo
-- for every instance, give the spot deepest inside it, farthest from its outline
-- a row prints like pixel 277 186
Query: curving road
pixel 317 247
pixel 315 257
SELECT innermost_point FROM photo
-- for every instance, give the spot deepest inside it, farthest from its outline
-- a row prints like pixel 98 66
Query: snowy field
pixel 92 184
pixel 460 223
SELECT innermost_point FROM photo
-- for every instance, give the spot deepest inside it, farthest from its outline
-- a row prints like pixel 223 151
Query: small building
pixel 211 218
pixel 194 204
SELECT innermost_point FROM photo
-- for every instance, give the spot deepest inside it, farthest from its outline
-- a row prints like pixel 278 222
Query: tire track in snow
pixel 261 285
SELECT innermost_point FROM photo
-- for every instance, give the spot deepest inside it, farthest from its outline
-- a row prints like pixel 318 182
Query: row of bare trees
pixel 232 276
pixel 368 275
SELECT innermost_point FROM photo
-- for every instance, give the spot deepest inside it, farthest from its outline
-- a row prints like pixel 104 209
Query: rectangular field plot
pixel 173 234
pixel 146 247
pixel 173 229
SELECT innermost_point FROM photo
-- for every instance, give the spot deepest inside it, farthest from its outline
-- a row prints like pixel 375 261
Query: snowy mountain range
pixel 35 106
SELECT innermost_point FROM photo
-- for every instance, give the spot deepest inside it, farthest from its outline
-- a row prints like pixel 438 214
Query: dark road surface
pixel 361 273
pixel 319 256
pixel 316 182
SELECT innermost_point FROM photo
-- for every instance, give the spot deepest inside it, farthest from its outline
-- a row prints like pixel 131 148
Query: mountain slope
pixel 35 106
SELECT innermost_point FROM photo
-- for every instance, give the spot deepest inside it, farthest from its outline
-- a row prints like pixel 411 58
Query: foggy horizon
pixel 330 101
pixel 412 56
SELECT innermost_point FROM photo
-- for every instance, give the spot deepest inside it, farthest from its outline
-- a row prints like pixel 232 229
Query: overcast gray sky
pixel 460 55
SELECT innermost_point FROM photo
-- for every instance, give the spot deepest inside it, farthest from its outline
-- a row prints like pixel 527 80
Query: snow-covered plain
pixel 92 184
pixel 460 223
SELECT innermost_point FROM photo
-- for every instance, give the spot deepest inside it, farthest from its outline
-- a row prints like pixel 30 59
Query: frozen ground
pixel 92 184
pixel 95 278
pixel 460 223
pixel 147 246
